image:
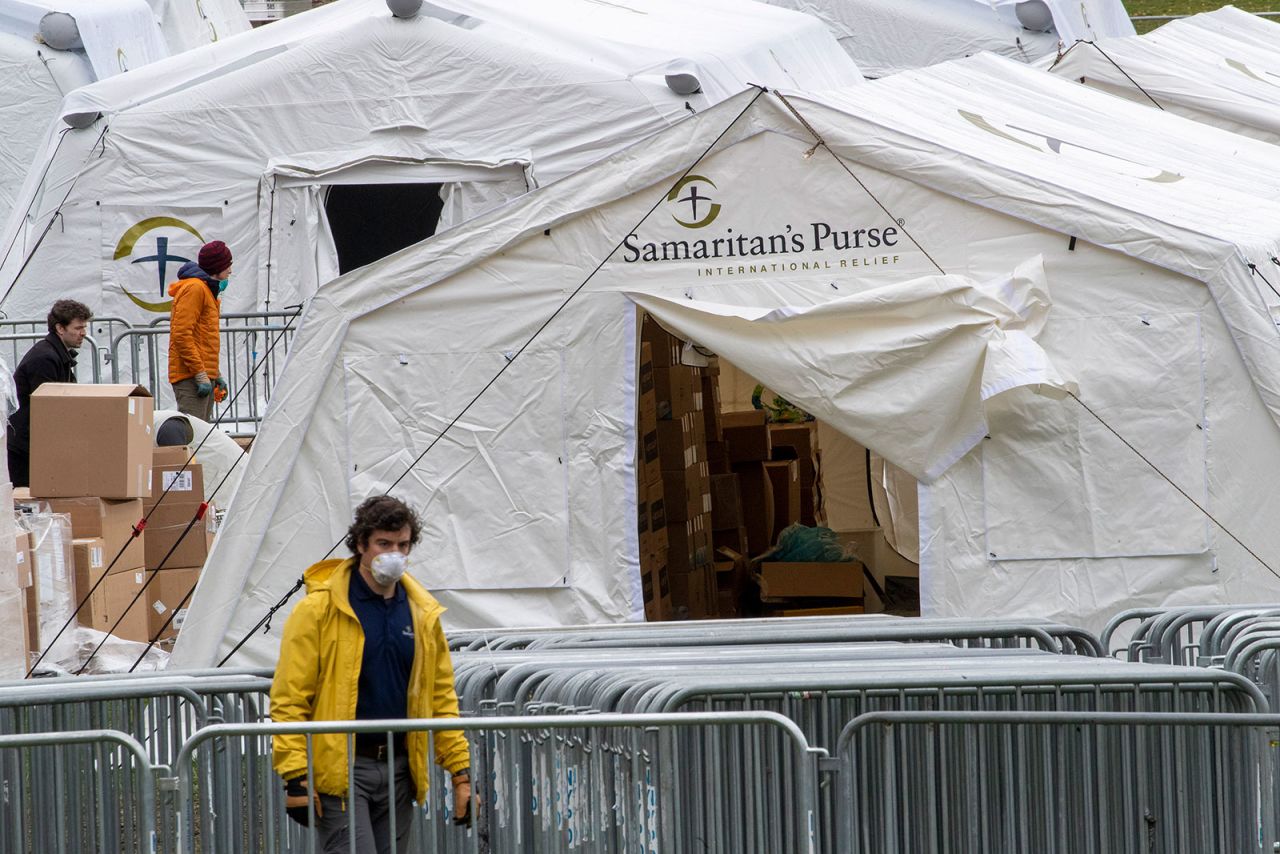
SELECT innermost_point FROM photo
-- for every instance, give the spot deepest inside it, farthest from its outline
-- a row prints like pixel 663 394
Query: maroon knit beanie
pixel 214 257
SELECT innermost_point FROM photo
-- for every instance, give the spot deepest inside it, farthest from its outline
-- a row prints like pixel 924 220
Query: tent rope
pixel 142 523
pixel 508 362
pixel 1107 56
pixel 1170 481
pixel 1253 268
pixel 822 143
pixel 53 217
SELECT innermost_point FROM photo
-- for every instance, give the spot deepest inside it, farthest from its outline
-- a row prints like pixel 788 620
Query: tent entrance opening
pixel 371 221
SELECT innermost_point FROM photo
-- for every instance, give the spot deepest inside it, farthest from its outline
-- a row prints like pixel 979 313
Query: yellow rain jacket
pixel 318 675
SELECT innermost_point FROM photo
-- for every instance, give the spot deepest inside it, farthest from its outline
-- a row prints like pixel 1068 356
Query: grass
pixel 1191 7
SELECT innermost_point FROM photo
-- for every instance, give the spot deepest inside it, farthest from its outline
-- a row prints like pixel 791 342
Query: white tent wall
pixel 186 24
pixel 1145 245
pixel 193 140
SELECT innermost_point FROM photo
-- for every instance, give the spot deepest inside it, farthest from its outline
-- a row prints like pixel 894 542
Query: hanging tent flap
pixel 902 368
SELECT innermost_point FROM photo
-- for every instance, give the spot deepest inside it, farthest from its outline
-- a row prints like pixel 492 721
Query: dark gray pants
pixel 190 403
pixel 369 806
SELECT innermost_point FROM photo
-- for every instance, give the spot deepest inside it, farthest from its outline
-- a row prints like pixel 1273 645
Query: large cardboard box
pixel 784 477
pixel 757 505
pixel 815 580
pixel 746 436
pixel 91 440
pixel 169 595
pixel 88 556
pixel 678 447
pixel 114 604
pixel 168 544
pixel 674 390
pixel 111 521
pixel 794 441
pixel 174 469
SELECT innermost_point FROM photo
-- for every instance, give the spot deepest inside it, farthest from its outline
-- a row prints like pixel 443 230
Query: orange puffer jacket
pixel 193 330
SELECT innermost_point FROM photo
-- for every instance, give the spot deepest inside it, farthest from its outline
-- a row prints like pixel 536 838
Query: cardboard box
pixel 658 525
pixel 673 389
pixel 690 545
pixel 169 595
pixel 126 610
pixel 664 348
pixel 678 447
pixel 817 580
pixel 726 502
pixel 695 590
pixel 644 368
pixel 91 440
pixel 111 521
pixel 656 584
pixel 841 610
pixel 794 441
pixel 165 532
pixel 51 599
pixel 784 477
pixel 746 436
pixel 184 482
pixel 735 539
pixel 756 495
pixel 87 555
pixel 718 457
pixel 650 462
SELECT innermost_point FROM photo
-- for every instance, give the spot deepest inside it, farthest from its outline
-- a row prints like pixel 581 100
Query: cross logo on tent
pixel 695 201
pixel 162 258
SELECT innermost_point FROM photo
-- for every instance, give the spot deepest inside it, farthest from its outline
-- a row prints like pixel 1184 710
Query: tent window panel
pixel 1058 484
pixel 493 492
pixel 371 221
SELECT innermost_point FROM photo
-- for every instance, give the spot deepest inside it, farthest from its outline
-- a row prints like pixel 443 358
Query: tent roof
pixel 913 127
pixel 1191 69
pixel 768 46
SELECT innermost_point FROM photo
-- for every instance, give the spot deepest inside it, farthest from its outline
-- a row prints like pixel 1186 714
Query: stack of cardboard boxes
pixel 716 489
pixel 95 475
pixel 676 471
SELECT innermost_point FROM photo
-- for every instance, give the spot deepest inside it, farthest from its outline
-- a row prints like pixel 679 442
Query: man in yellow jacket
pixel 194 340
pixel 366 644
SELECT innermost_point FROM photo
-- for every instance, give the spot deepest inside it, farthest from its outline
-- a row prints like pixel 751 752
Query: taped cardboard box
pixel 746 436
pixel 811 580
pixel 168 544
pixel 175 477
pixel 91 440
pixel 168 597
pixel 111 521
pixel 111 602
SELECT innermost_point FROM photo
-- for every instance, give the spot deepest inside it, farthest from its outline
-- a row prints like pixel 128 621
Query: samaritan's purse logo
pixel 696 201
pixel 161 257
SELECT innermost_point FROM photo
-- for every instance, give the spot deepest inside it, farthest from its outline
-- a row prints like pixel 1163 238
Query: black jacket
pixel 49 361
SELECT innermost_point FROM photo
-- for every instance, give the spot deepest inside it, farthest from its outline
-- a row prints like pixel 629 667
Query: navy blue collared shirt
pixel 387 664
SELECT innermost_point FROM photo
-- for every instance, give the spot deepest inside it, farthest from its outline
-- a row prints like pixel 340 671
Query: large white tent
pixel 49 47
pixel 921 280
pixel 246 139
pixel 887 36
pixel 1216 68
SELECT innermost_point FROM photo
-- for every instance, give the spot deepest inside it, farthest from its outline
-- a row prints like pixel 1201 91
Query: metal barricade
pixel 16 344
pixel 1078 782
pixel 543 785
pixel 253 349
pixel 76 791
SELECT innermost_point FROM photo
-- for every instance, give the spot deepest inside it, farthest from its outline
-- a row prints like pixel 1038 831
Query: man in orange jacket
pixel 193 331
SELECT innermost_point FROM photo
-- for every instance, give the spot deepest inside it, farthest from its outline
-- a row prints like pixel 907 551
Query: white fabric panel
pixel 1082 19
pixel 118 35
pixel 850 361
pixel 186 24
pixel 1233 23
pixel 897 507
pixel 1059 485
pixel 887 36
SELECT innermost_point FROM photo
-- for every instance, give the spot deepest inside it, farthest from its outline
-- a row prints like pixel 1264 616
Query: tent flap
pixel 904 368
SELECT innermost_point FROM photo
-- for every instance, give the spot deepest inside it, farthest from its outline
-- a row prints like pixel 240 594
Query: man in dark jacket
pixel 51 360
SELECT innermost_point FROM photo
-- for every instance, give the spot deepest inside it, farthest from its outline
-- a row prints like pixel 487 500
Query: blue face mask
pixel 222 286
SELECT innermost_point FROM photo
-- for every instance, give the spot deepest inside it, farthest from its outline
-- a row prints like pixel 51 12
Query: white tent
pixel 1213 68
pixel 887 36
pixel 819 271
pixel 246 139
pixel 49 47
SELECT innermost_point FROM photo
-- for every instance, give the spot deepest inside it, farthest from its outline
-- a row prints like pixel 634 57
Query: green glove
pixel 204 389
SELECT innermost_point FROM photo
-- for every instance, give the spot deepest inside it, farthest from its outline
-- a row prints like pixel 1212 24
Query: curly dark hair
pixel 66 310
pixel 382 513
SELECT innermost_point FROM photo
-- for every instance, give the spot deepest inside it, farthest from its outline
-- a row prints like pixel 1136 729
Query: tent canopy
pixel 430 101
pixel 1193 67
pixel 529 498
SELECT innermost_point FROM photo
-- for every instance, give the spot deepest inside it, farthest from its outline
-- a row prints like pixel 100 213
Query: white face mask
pixel 387 568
